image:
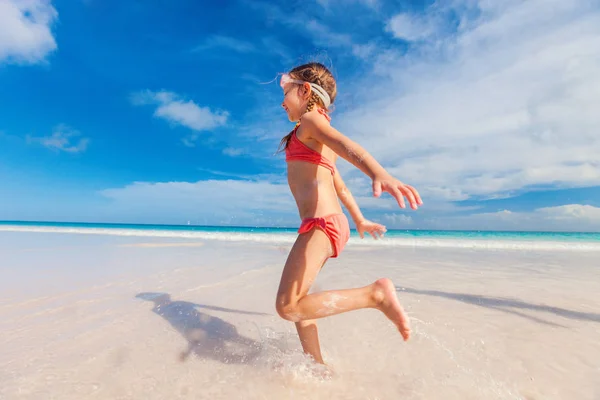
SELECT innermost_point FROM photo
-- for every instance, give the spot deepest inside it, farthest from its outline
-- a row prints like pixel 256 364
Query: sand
pixel 103 317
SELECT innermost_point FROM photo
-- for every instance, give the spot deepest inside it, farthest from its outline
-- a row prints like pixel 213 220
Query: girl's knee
pixel 287 309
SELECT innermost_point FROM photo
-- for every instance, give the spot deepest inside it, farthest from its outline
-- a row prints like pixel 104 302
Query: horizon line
pixel 7 222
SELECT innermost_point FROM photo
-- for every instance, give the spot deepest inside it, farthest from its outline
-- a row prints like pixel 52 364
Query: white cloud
pixel 267 201
pixel 272 45
pixel 571 212
pixel 25 30
pixel 397 221
pixel 271 178
pixel 63 138
pixel 226 42
pixel 508 101
pixel 233 152
pixel 190 140
pixel 307 22
pixel 364 51
pixel 210 201
pixel 570 217
pixel 412 27
pixel 322 35
pixel 176 110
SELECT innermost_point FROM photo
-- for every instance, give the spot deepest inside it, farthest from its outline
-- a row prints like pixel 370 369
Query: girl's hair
pixel 318 74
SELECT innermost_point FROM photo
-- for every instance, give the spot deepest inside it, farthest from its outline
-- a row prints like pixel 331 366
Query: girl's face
pixel 293 102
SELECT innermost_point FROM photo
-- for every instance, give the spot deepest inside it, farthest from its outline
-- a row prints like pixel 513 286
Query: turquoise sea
pixel 420 238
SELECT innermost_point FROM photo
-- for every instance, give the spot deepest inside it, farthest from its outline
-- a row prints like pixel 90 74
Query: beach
pixel 101 316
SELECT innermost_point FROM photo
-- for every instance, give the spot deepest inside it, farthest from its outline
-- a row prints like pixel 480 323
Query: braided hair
pixel 313 73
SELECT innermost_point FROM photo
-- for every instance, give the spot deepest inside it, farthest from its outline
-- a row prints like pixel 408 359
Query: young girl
pixel 311 151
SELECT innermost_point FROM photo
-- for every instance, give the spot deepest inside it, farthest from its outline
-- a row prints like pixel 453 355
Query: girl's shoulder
pixel 324 113
pixel 314 124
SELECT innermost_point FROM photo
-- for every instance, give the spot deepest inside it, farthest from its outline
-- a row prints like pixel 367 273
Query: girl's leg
pixel 308 332
pixel 306 258
pixel 307 329
pixel 309 338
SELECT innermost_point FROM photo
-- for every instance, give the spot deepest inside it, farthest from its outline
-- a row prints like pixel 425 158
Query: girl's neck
pixel 320 110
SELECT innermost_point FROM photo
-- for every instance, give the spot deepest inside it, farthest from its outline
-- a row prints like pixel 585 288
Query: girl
pixel 311 151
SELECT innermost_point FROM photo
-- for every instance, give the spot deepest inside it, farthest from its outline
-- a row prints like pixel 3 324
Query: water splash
pixel 278 354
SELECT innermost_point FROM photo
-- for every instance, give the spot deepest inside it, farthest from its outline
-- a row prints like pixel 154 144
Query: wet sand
pixel 101 317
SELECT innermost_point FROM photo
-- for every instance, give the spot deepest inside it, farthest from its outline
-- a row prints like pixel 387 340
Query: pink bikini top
pixel 298 151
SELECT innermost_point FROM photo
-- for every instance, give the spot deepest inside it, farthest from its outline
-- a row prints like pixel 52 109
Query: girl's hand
pixel 376 230
pixel 393 186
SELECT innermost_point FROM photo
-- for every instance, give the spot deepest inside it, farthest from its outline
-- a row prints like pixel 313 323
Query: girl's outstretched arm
pixel 362 224
pixel 322 131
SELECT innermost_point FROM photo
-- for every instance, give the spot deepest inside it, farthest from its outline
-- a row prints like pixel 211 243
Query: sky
pixel 170 112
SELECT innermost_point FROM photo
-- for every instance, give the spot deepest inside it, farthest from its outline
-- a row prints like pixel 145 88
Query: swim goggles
pixel 319 91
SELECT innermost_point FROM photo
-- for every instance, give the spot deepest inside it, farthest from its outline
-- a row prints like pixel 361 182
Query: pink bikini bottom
pixel 335 226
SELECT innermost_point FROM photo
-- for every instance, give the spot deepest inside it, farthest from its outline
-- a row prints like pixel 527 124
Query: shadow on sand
pixel 207 336
pixel 507 305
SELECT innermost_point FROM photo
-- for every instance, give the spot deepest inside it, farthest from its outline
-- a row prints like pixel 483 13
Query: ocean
pixel 579 241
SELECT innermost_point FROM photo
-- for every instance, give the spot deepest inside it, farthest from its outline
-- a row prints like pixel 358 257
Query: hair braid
pixel 314 99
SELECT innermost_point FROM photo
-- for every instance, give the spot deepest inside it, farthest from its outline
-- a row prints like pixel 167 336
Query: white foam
pixel 289 238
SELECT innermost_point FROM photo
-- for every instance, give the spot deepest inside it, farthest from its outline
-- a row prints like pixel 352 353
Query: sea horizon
pixel 285 228
pixel 408 237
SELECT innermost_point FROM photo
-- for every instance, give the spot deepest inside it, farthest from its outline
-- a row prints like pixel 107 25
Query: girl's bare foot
pixel 387 302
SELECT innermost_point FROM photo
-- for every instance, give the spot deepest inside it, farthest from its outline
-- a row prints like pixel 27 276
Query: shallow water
pixel 102 317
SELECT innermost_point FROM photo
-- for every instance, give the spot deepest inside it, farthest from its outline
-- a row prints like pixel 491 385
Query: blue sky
pixel 143 112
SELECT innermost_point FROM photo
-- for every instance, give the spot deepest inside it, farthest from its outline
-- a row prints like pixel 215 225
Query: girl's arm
pixel 362 225
pixel 322 131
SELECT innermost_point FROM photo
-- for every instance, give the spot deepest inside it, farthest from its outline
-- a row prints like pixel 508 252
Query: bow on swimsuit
pixel 335 226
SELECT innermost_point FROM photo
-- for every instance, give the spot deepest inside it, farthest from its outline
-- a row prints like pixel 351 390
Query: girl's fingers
pixel 409 195
pixel 376 188
pixel 398 196
pixel 416 194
